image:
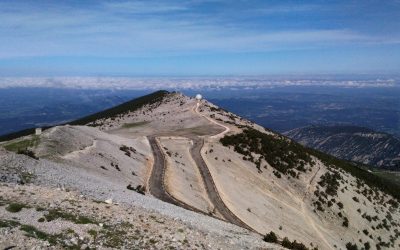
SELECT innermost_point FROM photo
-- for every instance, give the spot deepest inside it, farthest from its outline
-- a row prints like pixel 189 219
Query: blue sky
pixel 198 37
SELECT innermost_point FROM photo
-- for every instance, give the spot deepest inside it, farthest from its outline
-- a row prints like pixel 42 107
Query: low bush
pixel 345 222
pixel 330 180
pixel 281 153
pixel 139 189
pixel 27 152
pixel 15 207
pixel 58 214
pixel 351 246
pixel 271 237
pixel 8 223
pixel 286 243
pixel 33 232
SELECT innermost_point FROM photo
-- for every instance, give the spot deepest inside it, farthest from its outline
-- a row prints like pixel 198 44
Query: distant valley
pixel 352 143
pixel 22 108
pixel 286 108
pixel 278 108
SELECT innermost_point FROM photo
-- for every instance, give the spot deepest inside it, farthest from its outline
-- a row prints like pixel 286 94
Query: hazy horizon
pixel 202 82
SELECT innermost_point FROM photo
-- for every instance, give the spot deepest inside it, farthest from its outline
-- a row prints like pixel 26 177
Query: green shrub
pixel 28 153
pixel 351 246
pixel 363 176
pixel 139 189
pixel 33 232
pixel 281 153
pixel 286 243
pixel 284 154
pixel 271 237
pixel 345 222
pixel 15 207
pixel 8 223
pixel 298 246
pixel 330 180
pixel 58 214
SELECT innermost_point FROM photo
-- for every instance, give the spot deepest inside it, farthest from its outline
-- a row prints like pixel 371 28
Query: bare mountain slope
pixel 234 181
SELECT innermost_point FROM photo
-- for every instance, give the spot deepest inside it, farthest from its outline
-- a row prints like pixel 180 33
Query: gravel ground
pixel 120 225
pixel 60 186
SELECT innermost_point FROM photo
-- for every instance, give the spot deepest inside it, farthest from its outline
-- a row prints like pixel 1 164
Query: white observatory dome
pixel 198 97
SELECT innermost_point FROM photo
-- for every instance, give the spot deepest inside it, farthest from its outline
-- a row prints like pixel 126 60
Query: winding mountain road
pixel 219 135
pixel 210 186
pixel 157 178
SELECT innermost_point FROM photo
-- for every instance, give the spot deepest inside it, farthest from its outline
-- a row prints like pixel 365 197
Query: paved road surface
pixel 156 181
pixel 219 135
pixel 209 184
pixel 157 186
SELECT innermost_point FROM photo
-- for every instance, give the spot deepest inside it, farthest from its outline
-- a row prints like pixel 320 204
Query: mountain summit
pixel 167 170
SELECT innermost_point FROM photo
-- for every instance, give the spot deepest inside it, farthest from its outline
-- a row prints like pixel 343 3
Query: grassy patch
pixel 15 207
pixel 78 219
pixel 33 232
pixel 93 233
pixel 53 239
pixel 115 235
pixel 40 209
pixel 198 130
pixel 20 145
pixel 134 124
pixel 8 223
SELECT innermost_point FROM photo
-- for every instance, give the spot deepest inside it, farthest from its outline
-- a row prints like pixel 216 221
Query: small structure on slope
pixel 38 131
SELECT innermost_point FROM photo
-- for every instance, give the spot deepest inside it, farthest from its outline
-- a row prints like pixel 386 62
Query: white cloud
pixel 248 82
pixel 143 28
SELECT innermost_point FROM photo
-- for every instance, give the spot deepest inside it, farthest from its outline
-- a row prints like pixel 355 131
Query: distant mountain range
pixel 353 143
